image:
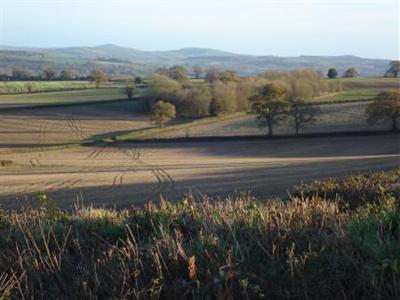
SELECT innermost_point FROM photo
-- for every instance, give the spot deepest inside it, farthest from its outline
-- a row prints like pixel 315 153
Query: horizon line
pixel 187 47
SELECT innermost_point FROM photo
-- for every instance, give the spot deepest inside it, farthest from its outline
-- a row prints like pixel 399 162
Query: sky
pixel 261 27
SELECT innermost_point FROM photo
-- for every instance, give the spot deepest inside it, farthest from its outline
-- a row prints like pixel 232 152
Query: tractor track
pixel 164 181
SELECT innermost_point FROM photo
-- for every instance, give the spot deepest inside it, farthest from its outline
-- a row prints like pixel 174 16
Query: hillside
pixel 123 60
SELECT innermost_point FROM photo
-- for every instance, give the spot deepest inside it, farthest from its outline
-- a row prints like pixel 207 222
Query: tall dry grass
pixel 309 247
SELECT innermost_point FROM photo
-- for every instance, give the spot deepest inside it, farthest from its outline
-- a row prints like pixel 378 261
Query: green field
pixel 64 97
pixel 17 87
pixel 353 95
pixel 359 89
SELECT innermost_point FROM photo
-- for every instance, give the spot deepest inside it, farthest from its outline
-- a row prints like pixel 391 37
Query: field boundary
pixel 227 138
pixel 43 106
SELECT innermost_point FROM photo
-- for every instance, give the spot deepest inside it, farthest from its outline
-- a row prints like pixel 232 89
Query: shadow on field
pixel 118 111
pixel 321 145
pixel 263 181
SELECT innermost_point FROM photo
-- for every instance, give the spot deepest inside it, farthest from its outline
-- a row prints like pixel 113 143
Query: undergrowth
pixel 338 239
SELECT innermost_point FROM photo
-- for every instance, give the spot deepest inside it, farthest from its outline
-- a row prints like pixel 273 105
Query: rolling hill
pixel 122 60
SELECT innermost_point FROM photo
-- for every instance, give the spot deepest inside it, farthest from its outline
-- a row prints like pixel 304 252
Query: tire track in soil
pixel 118 179
pixel 71 180
pixel 165 181
pixel 76 127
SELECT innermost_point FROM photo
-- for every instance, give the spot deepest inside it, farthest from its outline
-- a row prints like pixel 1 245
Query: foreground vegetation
pixel 333 239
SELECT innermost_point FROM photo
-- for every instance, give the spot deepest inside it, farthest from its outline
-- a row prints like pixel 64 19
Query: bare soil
pixel 60 125
pixel 128 174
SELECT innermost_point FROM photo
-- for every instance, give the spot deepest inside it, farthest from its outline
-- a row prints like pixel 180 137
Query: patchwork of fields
pixel 49 150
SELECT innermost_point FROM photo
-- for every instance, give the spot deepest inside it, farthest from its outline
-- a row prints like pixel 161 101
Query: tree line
pixel 227 92
pixel 273 103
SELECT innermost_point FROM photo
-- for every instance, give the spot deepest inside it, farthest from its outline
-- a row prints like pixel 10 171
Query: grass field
pixel 343 246
pixel 17 87
pixel 359 89
pixel 64 97
pixel 352 95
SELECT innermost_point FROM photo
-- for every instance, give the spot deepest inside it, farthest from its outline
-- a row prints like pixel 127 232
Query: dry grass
pixel 305 248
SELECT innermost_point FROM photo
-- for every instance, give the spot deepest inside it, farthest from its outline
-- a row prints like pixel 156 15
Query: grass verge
pixel 309 247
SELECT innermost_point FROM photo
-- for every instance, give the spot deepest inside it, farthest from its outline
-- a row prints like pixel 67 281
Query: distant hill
pixel 122 60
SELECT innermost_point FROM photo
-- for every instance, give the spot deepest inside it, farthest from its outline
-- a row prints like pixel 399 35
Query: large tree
pixel 223 98
pixel 350 72
pixel 178 73
pixel 386 106
pixel 394 69
pixel 161 86
pixel 303 113
pixel 332 73
pixel 271 104
pixel 129 90
pixel 162 112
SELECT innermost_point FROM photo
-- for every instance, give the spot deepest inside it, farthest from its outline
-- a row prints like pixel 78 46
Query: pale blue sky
pixel 285 28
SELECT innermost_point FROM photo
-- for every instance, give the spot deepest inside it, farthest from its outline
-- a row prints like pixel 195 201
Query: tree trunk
pixel 394 123
pixel 269 127
pixel 297 129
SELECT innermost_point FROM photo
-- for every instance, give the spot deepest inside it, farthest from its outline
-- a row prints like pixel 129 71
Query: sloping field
pixel 135 173
pixel 58 125
pixel 61 97
pixel 333 118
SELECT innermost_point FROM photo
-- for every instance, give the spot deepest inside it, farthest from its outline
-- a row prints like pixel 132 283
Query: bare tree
pixel 303 113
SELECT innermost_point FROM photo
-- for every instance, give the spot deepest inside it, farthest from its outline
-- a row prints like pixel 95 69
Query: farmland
pixel 267 168
pixel 87 144
pixel 135 173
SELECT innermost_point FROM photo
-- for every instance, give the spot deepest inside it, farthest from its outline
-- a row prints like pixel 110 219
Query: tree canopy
pixel 350 72
pixel 270 104
pixel 99 76
pixel 332 73
pixel 162 112
pixel 394 69
pixel 386 106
